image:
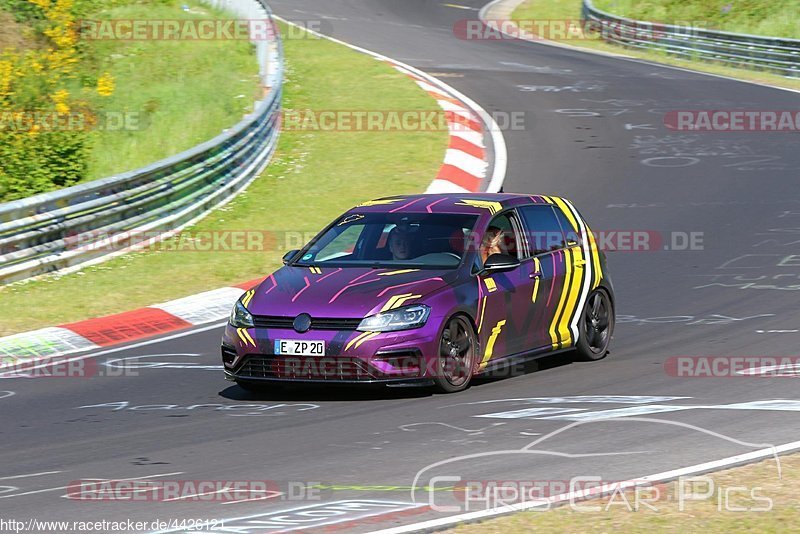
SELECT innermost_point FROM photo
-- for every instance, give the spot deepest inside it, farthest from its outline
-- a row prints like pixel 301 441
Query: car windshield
pixel 424 241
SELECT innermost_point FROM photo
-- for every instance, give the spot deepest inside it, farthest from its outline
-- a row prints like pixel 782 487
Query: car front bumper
pixel 350 356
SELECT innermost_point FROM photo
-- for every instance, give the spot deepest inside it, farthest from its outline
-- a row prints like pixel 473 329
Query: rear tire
pixel 458 349
pixel 595 327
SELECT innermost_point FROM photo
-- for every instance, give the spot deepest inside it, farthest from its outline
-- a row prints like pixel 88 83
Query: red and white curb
pixel 203 308
pixel 465 164
pixel 466 168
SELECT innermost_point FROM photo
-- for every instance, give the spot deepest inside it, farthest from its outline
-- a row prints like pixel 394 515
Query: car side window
pixel 573 237
pixel 542 229
pixel 501 236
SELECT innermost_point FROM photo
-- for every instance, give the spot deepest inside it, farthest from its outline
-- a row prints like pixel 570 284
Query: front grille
pixel 309 368
pixel 317 323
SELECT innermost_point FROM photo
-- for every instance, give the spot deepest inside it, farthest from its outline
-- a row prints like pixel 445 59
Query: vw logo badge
pixel 302 323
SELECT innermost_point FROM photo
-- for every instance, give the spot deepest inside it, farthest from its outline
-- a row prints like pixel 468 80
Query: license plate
pixel 294 347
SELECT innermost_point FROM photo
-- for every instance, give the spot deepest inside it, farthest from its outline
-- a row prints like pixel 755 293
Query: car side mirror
pixel 289 255
pixel 497 263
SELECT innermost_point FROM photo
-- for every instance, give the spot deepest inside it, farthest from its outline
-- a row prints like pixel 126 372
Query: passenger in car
pixel 400 243
pixel 492 242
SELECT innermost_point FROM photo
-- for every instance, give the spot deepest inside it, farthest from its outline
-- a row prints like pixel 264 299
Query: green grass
pixel 180 93
pixel 314 177
pixel 774 18
pixel 571 10
pixel 697 516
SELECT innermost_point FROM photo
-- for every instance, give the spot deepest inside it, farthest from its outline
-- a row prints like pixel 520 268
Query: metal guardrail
pixel 90 222
pixel 733 49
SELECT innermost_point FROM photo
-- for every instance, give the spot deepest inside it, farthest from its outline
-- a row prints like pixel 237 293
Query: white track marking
pixel 262 498
pixel 664 476
pixel 86 483
pixel 527 413
pixel 31 475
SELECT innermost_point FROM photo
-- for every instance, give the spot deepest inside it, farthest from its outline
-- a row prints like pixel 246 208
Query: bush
pixel 36 156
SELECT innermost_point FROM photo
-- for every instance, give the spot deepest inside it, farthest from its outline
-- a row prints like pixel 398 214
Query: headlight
pixel 240 317
pixel 399 319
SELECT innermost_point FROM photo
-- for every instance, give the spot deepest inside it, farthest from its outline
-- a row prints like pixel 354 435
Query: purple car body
pixel 455 308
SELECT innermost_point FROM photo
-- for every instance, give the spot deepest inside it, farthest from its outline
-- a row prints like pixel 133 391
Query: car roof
pixel 457 203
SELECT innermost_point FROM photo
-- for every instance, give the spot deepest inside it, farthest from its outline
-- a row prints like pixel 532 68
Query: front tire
pixel 595 327
pixel 458 349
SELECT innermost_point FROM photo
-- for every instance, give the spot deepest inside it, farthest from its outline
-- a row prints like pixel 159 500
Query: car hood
pixel 342 292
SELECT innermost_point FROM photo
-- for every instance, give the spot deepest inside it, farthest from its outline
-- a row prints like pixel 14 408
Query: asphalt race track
pixel 594 133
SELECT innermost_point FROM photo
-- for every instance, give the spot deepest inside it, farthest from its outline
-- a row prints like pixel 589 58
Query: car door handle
pixel 536 274
pixel 580 263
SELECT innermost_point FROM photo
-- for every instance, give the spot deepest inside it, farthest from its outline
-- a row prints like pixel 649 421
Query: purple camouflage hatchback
pixel 429 289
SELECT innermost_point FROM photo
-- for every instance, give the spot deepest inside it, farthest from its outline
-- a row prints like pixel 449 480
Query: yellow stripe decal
pixel 493 207
pixel 248 336
pixel 380 202
pixel 244 335
pixel 401 271
pixel 490 343
pixel 239 333
pixel 568 212
pixel 248 297
pixel 562 297
pixel 598 271
pixel 398 300
pixel 572 301
pixel 353 341
pixel 537 266
pixel 369 335
pixel 491 285
pixel 483 309
pixel 361 338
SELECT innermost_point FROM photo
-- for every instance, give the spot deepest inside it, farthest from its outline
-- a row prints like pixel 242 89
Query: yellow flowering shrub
pixel 39 151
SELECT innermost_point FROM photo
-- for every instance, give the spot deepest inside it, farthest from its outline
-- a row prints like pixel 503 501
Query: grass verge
pixel 758 487
pixel 776 18
pixel 314 176
pixel 174 94
pixel 571 10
